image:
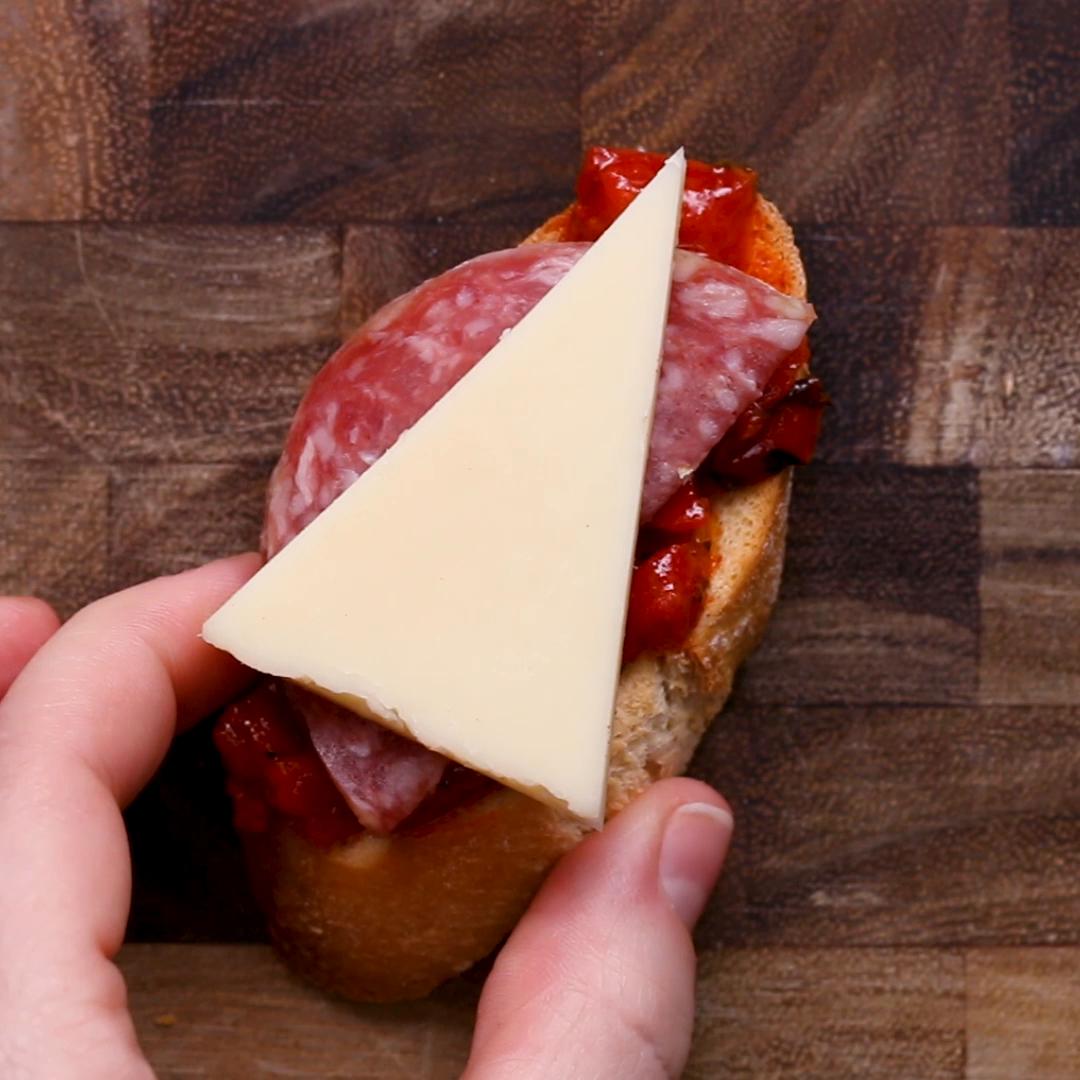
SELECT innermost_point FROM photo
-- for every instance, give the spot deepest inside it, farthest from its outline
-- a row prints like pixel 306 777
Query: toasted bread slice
pixel 389 918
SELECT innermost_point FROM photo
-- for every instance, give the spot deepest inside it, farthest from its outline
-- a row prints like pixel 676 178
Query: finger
pixel 26 623
pixel 597 980
pixel 83 728
pixel 113 686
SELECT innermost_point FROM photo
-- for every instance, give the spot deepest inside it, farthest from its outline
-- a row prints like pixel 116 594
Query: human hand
pixel 596 981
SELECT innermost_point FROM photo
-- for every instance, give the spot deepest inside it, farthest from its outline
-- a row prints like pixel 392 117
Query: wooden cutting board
pixel 198 199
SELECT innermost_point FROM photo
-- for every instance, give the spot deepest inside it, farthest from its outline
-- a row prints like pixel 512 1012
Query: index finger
pixel 81 730
pixel 114 684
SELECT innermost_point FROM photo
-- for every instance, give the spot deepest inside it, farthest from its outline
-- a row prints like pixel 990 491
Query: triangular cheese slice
pixel 469 589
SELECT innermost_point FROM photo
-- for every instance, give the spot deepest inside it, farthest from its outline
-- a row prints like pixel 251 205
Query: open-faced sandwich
pixel 527 523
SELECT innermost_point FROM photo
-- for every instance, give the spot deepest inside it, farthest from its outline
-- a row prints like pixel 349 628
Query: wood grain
pixel 235 1013
pixel 852 112
pixel 168 518
pixel 947 346
pixel 380 262
pixel 997 380
pixel 1044 104
pixel 886 826
pixel 53 542
pixel 820 1014
pixel 1030 587
pixel 152 344
pixel 888 1013
pixel 880 591
pixel 211 289
pixel 361 111
pixel 1023 1015
pixel 868 285
pixel 73 128
pixel 198 199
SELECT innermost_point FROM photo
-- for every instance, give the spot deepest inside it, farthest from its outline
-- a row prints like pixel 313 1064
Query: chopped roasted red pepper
pixel 327 828
pixel 299 786
pixel 273 768
pixel 718 200
pixel 684 514
pixel 255 730
pixel 250 812
pixel 762 442
pixel 667 593
pixel 785 377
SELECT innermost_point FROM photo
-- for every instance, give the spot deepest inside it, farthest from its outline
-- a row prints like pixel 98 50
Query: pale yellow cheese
pixel 470 588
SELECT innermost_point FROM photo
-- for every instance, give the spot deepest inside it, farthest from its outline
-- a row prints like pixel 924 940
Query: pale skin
pixel 87 713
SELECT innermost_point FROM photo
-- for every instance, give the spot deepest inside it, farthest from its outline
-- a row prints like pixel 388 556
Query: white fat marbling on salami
pixel 382 776
pixel 395 368
pixel 726 335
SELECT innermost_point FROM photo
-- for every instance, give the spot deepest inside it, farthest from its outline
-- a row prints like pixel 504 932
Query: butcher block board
pixel 198 199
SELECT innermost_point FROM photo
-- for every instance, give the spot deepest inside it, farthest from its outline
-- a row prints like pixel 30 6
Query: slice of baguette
pixel 388 919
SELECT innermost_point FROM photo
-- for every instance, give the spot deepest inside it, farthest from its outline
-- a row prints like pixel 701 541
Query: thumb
pixel 597 980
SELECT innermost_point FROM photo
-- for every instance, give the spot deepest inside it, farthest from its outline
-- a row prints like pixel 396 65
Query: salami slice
pixel 726 335
pixel 382 776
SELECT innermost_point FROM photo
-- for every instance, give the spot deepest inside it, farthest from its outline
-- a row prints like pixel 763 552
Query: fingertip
pixel 26 623
pixel 174 598
pixel 226 574
pixel 204 677
pixel 666 795
pixel 213 584
pixel 129 670
pixel 693 849
pixel 38 612
pixel 29 614
pixel 243 563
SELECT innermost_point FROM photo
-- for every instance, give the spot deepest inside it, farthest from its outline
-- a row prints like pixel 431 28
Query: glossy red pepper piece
pixel 763 442
pixel 667 593
pixel 250 812
pixel 254 730
pixel 328 828
pixel 785 377
pixel 718 200
pixel 273 768
pixel 298 786
pixel 685 514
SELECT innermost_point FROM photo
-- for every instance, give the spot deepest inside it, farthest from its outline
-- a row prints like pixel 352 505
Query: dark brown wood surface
pixel 197 199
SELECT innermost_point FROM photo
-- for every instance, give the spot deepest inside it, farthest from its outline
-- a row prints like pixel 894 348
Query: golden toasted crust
pixel 389 919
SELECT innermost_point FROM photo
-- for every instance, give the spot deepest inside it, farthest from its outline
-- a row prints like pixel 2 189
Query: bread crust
pixel 388 919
